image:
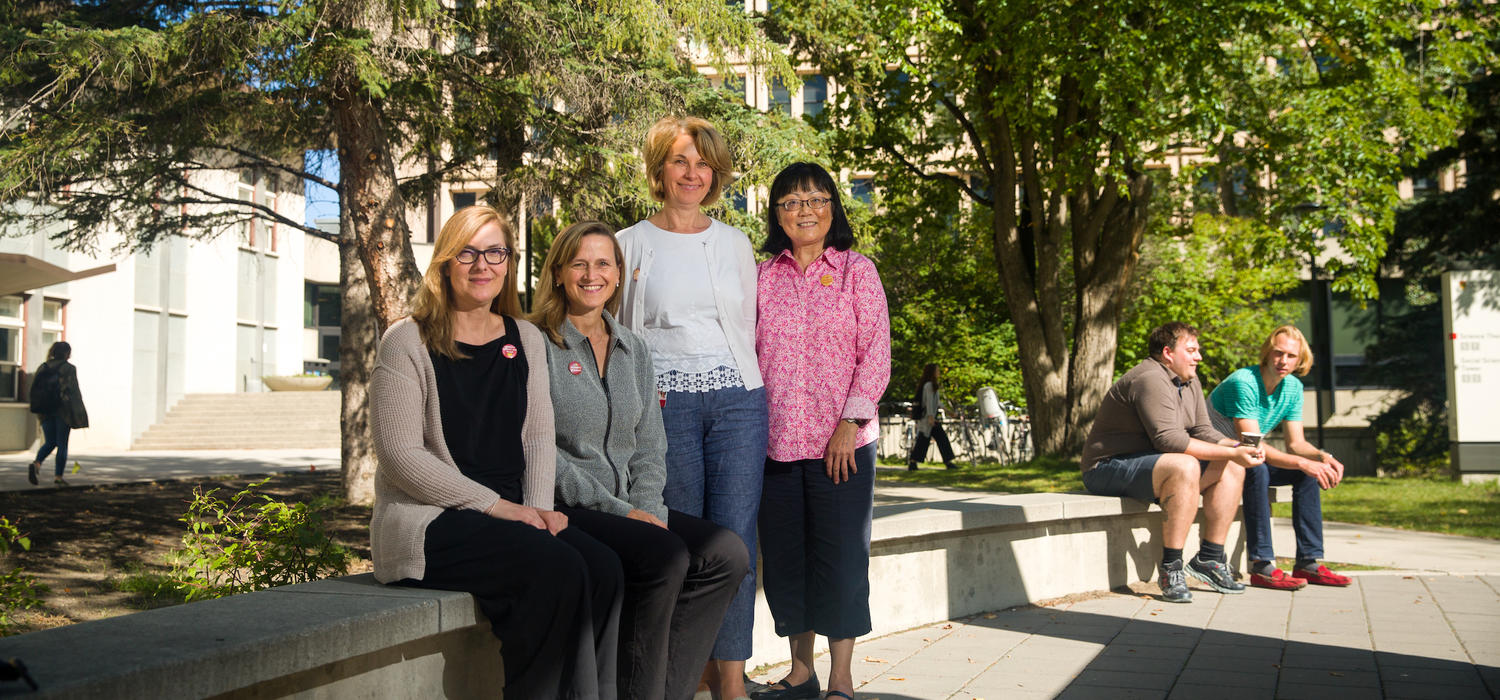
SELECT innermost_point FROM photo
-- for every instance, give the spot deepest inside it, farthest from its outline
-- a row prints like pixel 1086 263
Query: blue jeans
pixel 1307 512
pixel 716 452
pixel 54 434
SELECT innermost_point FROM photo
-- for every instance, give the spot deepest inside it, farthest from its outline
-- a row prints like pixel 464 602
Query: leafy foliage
pixel 19 590
pixel 1435 233
pixel 1221 274
pixel 1041 119
pixel 944 300
pixel 252 542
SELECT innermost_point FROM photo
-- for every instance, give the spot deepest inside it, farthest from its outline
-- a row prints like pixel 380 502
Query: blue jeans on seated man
pixel 1307 512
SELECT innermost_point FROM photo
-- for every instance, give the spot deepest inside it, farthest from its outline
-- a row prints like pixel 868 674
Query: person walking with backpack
pixel 59 406
pixel 924 412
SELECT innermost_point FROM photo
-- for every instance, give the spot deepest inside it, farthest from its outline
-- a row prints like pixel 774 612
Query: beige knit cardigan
pixel 417 478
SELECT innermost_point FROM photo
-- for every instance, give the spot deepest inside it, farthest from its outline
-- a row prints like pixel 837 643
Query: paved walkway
pixel 1387 636
pixel 1430 629
pixel 132 466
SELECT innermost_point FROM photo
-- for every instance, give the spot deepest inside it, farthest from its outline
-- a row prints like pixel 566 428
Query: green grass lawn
pixel 1409 503
pixel 1412 503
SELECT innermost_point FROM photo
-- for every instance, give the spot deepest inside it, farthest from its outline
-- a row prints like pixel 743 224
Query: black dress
pixel 554 602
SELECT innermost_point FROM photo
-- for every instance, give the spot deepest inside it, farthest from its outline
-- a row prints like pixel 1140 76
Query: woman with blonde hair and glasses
pixel 680 571
pixel 688 289
pixel 462 422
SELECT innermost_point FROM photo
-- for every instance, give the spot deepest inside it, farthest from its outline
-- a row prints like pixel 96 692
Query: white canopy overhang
pixel 19 273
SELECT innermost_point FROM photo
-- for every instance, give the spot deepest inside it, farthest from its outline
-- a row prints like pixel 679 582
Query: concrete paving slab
pixel 1214 651
pixel 1091 692
pixel 1397 549
pixel 1197 691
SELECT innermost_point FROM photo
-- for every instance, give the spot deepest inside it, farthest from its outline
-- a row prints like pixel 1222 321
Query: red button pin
pixel 575 367
pixel 509 351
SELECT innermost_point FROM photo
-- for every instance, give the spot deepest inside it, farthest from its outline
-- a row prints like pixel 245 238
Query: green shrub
pixel 18 589
pixel 1415 444
pixel 252 542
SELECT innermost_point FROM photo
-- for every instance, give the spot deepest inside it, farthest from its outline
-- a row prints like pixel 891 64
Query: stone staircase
pixel 267 420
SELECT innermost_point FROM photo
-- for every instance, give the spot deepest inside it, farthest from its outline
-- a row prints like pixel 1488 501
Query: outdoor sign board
pixel 1471 350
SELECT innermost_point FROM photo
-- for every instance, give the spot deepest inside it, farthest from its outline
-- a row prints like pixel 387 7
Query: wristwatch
pixel 856 422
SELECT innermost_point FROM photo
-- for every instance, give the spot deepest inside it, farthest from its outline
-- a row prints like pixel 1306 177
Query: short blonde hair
pixel 551 304
pixel 708 141
pixel 1305 358
pixel 433 307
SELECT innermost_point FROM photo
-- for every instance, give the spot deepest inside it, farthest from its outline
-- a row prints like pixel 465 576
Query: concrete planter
pixel 297 383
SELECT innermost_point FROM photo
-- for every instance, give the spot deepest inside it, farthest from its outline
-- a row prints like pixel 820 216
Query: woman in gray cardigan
pixel 462 423
pixel 680 571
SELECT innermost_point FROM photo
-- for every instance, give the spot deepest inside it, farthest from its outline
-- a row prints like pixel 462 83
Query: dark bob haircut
pixel 806 176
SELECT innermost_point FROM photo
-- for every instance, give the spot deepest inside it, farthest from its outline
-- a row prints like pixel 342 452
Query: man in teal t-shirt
pixel 1256 399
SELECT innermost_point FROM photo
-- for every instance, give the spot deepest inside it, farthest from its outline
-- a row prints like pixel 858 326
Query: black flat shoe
pixel 781 690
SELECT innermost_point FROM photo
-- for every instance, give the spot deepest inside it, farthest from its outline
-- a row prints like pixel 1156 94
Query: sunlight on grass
pixel 1429 504
pixel 1041 475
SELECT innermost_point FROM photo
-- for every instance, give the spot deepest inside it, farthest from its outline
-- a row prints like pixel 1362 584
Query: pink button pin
pixel 509 351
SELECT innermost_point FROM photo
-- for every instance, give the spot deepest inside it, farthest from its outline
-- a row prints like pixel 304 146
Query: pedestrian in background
pixel 928 400
pixel 824 342
pixel 56 400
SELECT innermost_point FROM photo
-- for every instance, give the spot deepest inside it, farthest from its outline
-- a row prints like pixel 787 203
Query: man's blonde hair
pixel 1305 358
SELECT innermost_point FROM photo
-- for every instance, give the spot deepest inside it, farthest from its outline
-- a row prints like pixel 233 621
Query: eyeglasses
pixel 792 206
pixel 493 256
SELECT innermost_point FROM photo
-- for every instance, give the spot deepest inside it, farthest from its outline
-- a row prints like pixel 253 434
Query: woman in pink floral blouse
pixel 824 343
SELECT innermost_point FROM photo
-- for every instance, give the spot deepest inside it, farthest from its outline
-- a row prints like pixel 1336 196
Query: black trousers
pixel 919 450
pixel 815 546
pixel 678 582
pixel 553 601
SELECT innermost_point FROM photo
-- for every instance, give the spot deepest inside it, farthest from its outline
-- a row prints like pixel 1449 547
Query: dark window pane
pixel 464 199
pixel 814 94
pixel 781 98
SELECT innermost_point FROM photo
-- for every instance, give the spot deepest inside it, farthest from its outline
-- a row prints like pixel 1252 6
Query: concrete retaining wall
pixel 936 554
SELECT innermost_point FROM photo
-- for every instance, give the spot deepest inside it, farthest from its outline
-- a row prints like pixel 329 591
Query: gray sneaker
pixel 1216 574
pixel 1173 583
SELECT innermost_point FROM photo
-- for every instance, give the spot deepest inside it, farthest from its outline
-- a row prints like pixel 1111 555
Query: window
pixel 814 94
pixel 464 199
pixel 12 328
pixel 1424 184
pixel 862 190
pixel 52 321
pixel 781 97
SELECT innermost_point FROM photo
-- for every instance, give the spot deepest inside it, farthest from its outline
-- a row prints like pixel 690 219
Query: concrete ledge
pixel 348 637
pixel 937 554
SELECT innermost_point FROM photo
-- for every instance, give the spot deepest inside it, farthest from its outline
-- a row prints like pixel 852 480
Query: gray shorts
pixel 1125 475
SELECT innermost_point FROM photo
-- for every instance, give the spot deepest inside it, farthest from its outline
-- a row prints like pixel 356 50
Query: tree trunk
pixel 372 222
pixel 356 357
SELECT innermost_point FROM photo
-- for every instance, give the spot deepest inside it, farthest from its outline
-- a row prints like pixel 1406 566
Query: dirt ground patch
pixel 86 541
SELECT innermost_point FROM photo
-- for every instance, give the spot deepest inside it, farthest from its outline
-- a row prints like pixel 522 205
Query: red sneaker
pixel 1322 577
pixel 1278 580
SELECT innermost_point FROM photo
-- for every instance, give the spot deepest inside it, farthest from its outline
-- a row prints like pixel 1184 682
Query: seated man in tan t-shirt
pixel 1152 441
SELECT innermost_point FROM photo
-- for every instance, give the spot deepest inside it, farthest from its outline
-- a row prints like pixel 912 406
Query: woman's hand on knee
pixel 643 516
pixel 505 510
pixel 556 522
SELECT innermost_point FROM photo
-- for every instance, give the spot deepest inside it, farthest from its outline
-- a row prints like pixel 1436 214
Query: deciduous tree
pixel 1045 118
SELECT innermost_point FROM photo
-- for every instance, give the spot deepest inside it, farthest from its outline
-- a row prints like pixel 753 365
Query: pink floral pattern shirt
pixel 824 342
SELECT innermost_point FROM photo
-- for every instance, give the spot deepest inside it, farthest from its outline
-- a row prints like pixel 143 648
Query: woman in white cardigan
pixel 462 421
pixel 688 289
